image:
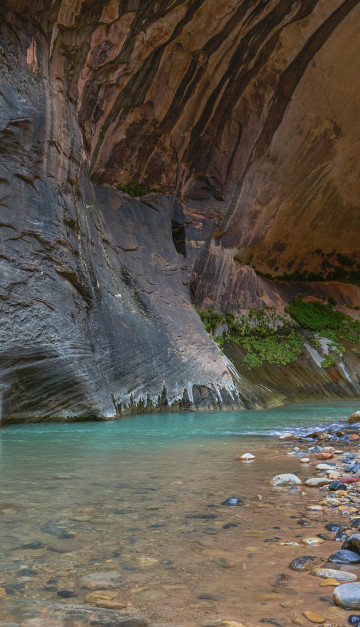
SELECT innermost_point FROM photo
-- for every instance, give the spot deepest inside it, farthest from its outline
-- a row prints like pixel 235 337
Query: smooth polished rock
pixel 312 541
pixel 344 557
pixel 314 618
pixel 347 595
pixel 337 485
pixel 247 456
pixel 285 479
pixel 355 417
pixel 317 482
pixel 339 575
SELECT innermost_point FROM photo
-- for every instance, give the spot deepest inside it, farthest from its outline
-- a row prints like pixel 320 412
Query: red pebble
pixel 349 479
pixel 354 436
pixel 324 455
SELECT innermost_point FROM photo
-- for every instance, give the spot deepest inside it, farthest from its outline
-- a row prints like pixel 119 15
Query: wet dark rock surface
pixel 96 286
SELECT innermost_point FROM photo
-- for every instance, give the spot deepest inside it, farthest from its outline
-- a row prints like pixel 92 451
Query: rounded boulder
pixel 347 595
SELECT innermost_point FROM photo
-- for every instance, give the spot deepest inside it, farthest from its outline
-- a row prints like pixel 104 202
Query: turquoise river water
pixel 143 496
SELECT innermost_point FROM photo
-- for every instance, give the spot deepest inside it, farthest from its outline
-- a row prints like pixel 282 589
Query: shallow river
pixel 143 496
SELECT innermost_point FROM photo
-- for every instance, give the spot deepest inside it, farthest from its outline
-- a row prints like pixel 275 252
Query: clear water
pixel 143 496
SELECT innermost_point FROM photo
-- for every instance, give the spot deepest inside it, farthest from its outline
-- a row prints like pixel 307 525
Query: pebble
pixel 344 557
pixel 354 619
pixel 285 479
pixel 317 482
pixel 247 456
pixel 33 545
pixel 305 460
pixel 325 466
pixel 347 595
pixel 341 535
pixel 306 562
pixel 355 522
pixel 337 485
pixel 334 527
pixel 330 582
pixel 103 580
pixel 233 501
pixel 102 598
pixel 66 594
pixel 349 479
pixel 149 562
pixel 340 575
pixel 314 618
pixel 323 455
pixel 312 541
pixel 330 501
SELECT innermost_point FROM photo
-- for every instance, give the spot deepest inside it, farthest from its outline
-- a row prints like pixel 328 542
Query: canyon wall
pixel 242 117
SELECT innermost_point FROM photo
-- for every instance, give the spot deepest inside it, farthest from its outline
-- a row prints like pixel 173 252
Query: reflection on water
pixel 142 496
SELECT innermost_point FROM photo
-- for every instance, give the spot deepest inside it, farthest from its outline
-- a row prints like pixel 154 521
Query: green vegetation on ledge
pixel 273 338
pixel 267 336
pixel 135 190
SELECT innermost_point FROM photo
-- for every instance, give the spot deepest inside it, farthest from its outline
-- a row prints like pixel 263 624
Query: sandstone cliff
pixel 243 116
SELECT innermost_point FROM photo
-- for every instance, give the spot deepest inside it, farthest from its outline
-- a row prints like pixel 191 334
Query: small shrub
pixel 135 190
pixel 315 316
pixel 328 361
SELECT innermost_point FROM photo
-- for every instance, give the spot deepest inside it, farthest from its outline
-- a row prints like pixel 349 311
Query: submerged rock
pixel 314 618
pixel 233 501
pixel 306 562
pixel 102 580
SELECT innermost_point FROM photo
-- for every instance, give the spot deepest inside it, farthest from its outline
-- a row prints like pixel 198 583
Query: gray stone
pixel 347 595
pixel 344 557
pixel 352 543
pixel 317 482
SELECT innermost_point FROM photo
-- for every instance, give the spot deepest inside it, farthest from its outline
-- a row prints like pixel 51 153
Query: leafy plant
pixel 315 316
pixel 135 190
pixel 328 361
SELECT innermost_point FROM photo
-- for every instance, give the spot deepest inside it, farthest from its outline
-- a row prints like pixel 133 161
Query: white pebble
pixel 247 456
pixel 285 479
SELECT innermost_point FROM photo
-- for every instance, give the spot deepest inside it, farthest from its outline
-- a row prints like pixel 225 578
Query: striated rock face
pixel 244 116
